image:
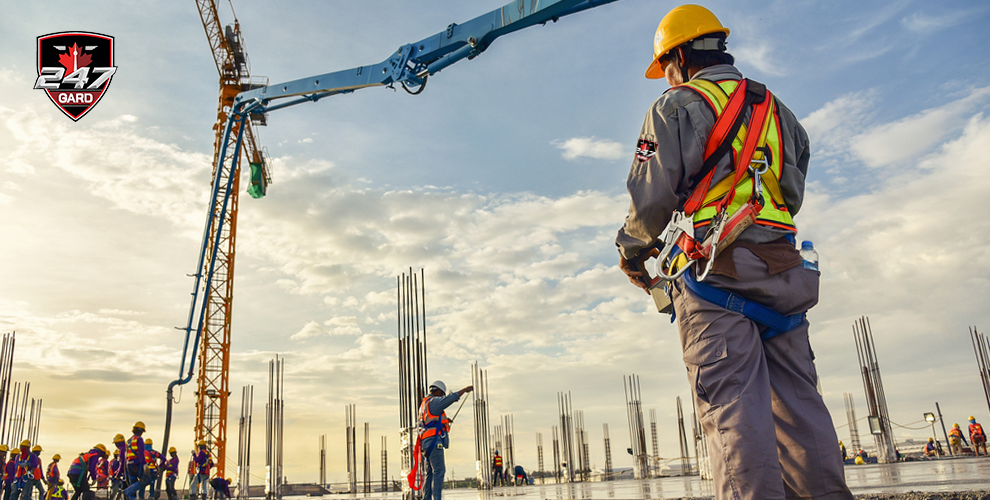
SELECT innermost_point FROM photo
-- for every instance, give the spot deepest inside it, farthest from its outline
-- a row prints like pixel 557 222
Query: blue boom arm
pixel 409 66
pixel 412 63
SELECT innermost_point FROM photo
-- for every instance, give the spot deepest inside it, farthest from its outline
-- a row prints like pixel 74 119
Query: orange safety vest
pixel 133 448
pixel 427 420
pixel 151 458
pixel 975 430
pixel 53 471
pixel 498 461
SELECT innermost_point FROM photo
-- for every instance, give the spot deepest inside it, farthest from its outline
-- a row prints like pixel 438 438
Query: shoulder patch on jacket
pixel 645 149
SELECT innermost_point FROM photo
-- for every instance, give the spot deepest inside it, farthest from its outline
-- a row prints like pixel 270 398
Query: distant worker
pixel 171 469
pixel 753 377
pixel 842 448
pixel 521 476
pixel 52 474
pixel 204 462
pixel 135 460
pixel 83 470
pixel 221 488
pixel 433 429
pixel 956 439
pixel 859 460
pixel 977 436
pixel 8 472
pixel 37 477
pixel 497 470
pixel 118 476
pixel 103 477
pixel 152 460
pixel 930 450
pixel 10 475
pixel 27 463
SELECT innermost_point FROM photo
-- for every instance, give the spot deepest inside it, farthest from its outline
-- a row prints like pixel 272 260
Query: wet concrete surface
pixel 947 479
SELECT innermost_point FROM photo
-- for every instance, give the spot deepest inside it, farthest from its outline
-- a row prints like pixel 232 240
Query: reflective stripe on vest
pixel 133 449
pixel 498 461
pixel 427 418
pixel 151 458
pixel 774 212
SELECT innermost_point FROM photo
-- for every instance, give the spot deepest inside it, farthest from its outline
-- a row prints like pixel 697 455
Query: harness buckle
pixel 680 224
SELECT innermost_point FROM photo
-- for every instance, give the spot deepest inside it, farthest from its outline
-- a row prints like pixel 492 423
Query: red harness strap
pixel 719 141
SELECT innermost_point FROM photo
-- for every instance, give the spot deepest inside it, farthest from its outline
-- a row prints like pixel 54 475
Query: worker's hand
pixel 635 269
pixel 464 390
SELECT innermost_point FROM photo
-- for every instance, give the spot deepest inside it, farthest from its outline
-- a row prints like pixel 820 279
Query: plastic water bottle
pixel 809 256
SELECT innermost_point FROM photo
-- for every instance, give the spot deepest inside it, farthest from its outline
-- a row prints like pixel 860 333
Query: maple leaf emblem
pixel 73 60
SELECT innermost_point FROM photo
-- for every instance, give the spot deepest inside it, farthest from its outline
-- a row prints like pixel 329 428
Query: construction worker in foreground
pixel 770 433
pixel 57 491
pixel 204 462
pixel 434 426
pixel 956 439
pixel 82 471
pixel 977 436
pixel 171 473
pixel 135 461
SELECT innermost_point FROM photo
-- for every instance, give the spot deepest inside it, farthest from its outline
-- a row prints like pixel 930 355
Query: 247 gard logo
pixel 74 69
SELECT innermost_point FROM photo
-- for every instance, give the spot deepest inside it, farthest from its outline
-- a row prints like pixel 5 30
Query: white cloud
pixel 310 330
pixel 925 23
pixel 761 56
pixel 590 147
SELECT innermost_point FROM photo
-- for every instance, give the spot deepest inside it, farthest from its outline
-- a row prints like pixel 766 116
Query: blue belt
pixel 775 322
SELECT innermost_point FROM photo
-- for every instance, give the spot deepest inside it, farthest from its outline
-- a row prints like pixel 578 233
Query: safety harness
pixel 733 204
pixel 431 426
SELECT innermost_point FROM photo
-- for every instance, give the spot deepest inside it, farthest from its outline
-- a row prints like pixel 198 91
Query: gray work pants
pixel 435 469
pixel 770 434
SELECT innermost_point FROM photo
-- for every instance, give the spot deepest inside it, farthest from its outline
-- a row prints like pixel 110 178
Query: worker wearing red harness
pixel 433 438
pixel 710 157
pixel 977 436
pixel 204 462
pixel 956 439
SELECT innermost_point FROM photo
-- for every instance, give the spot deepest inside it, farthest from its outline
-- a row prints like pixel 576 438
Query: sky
pixel 505 182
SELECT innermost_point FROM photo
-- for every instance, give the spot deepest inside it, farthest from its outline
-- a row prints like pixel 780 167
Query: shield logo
pixel 74 69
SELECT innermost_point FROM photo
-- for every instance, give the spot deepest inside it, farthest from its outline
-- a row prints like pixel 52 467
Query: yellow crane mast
pixel 214 355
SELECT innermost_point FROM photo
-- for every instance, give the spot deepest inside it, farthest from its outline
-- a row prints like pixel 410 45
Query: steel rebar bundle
pixel 583 461
pixel 540 472
pixel 274 420
pixel 655 459
pixel 637 434
pixel 367 460
pixel 384 464
pixel 6 366
pixel 350 418
pixel 411 318
pixel 685 453
pixel 557 472
pixel 323 460
pixel 982 350
pixel 873 386
pixel 566 435
pixel 608 476
pixel 482 443
pixel 244 442
pixel 847 398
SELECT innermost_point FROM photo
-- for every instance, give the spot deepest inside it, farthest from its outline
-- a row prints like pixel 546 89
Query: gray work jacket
pixel 670 153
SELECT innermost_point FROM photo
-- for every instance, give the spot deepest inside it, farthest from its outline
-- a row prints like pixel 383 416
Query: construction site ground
pixel 949 479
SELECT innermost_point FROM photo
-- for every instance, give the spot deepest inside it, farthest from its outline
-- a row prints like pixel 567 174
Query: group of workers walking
pixel 131 471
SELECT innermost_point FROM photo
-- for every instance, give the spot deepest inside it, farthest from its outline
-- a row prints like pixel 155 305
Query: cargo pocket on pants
pixel 707 365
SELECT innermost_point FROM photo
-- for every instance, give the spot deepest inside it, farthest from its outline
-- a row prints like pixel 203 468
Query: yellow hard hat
pixel 57 457
pixel 202 442
pixel 26 442
pixel 955 425
pixel 683 24
pixel 3 447
pixel 930 440
pixel 171 449
pixel 972 417
pixel 15 451
pixel 102 448
pixel 118 438
pixel 37 447
pixel 140 425
pixel 148 441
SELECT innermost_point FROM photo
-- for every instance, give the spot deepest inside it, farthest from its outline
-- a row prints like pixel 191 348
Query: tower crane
pixel 244 105
pixel 212 388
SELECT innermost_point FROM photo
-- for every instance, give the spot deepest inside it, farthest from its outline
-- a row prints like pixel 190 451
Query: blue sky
pixel 505 181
